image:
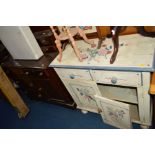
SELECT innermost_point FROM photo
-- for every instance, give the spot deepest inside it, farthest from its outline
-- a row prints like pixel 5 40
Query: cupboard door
pixel 83 92
pixel 114 113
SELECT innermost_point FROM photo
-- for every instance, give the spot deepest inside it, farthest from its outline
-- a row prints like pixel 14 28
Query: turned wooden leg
pixel 100 42
pixel 12 95
pixel 116 46
pixel 84 111
pixel 115 39
pixel 83 35
pixel 77 51
pixel 58 45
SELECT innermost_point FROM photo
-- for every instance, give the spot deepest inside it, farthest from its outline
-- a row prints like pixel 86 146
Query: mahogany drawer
pixel 45 37
pixel 29 73
pixel 48 49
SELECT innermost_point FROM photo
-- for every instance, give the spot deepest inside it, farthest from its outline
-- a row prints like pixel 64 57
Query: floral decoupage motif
pixel 83 92
pixel 101 54
pixel 93 53
pixel 114 113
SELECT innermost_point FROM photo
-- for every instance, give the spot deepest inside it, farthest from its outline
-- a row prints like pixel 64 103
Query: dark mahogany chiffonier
pixel 38 80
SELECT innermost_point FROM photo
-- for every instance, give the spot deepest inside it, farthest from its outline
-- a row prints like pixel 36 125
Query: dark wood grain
pixel 38 80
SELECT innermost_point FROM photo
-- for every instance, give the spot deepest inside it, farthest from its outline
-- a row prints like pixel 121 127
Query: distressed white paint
pixel 122 78
pixel 82 101
pixel 126 94
pixel 73 73
pixel 115 113
pixel 139 53
pixel 144 100
pixel 137 56
pixel 134 114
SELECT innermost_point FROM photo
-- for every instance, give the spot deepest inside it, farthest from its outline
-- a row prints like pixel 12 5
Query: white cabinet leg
pixel 84 111
pixel 144 104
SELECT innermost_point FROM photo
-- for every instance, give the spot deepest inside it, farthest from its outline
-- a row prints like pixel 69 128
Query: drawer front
pixel 73 74
pixel 45 37
pixel 29 72
pixel 48 49
pixel 43 34
pixel 115 113
pixel 117 77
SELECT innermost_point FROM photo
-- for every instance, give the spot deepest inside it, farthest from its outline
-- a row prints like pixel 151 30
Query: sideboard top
pixel 136 53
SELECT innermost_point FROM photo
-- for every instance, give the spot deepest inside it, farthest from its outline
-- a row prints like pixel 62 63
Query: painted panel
pixel 83 92
pixel 114 113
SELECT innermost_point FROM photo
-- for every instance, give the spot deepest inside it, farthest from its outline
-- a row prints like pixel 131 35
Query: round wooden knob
pixel 39 89
pixel 31 84
pixel 113 80
pixel 39 95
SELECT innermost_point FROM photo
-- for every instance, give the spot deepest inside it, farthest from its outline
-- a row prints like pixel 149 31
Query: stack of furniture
pixel 39 81
pixel 35 77
pixel 45 38
pixel 127 80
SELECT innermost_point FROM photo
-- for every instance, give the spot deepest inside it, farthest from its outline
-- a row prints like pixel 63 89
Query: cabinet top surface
pixel 136 53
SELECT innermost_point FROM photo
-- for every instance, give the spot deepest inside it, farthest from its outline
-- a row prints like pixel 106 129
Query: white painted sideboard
pixel 119 92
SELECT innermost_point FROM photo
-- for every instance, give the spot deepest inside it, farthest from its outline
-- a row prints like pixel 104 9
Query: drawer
pixel 48 49
pixel 43 34
pixel 29 72
pixel 46 41
pixel 41 88
pixel 117 77
pixel 73 74
pixel 45 37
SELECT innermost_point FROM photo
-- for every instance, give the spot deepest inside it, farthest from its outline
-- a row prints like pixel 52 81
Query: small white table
pixel 119 91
